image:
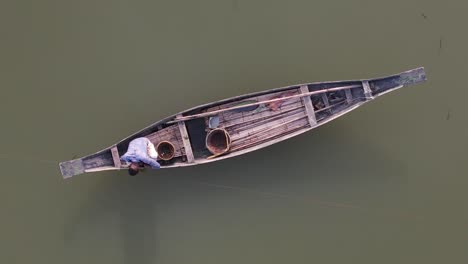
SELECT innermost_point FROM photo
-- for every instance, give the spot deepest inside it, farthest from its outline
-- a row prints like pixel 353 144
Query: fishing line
pixel 243 189
pixel 279 195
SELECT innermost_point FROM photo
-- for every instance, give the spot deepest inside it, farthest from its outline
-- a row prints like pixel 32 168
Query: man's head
pixel 133 169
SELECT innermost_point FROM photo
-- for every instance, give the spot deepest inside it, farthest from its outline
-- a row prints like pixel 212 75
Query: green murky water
pixel 385 184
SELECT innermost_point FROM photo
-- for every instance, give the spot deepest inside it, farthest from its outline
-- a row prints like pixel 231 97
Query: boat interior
pixel 245 123
pixel 231 132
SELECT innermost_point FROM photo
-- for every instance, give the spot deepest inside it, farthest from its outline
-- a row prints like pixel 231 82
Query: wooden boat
pixel 245 123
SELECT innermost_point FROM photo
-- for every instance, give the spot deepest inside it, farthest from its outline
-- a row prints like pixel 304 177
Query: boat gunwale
pixel 253 94
pixel 240 97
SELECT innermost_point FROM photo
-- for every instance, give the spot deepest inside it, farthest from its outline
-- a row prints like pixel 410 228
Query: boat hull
pixel 253 121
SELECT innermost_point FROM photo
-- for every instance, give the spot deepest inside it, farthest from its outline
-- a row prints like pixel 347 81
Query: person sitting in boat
pixel 140 150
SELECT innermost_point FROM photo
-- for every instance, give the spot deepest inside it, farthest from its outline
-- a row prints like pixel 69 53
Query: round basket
pixel 218 141
pixel 166 150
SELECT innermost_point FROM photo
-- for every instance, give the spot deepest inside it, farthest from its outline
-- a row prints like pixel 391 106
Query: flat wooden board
pixel 308 106
pixel 250 128
pixel 349 96
pixel 116 157
pixel 186 141
pixel 325 100
pixel 171 134
pixel 367 90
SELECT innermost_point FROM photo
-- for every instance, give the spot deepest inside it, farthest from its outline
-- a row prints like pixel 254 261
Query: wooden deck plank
pixel 256 144
pixel 325 100
pixel 367 90
pixel 283 119
pixel 253 126
pixel 186 141
pixel 261 120
pixel 308 105
pixel 273 130
pixel 262 113
pixel 349 96
pixel 170 134
pixel 116 157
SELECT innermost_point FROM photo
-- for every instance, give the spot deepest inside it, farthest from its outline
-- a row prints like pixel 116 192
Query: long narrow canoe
pixel 245 123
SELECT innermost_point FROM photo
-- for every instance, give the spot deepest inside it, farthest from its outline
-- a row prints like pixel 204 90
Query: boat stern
pixel 71 168
pixel 385 85
pixel 412 77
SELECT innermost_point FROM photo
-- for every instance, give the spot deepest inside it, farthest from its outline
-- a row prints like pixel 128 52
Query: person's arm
pixel 124 158
pixel 152 162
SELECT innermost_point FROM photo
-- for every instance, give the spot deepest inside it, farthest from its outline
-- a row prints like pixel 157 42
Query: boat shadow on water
pixel 320 169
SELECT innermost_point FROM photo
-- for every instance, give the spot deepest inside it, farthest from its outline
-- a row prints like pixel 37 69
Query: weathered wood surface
pixel 279 119
pixel 349 96
pixel 230 119
pixel 325 100
pixel 215 112
pixel 186 142
pixel 367 90
pixel 308 105
pixel 277 137
pixel 171 134
pixel 264 120
pixel 264 113
pixel 251 127
pixel 116 157
pixel 267 130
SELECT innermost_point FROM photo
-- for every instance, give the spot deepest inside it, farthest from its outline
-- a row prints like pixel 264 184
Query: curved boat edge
pixel 413 76
pixel 71 168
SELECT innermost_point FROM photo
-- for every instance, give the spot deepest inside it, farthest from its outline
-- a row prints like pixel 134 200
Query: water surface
pixel 384 184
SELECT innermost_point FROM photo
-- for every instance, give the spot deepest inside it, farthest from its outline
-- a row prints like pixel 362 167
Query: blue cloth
pixel 138 152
